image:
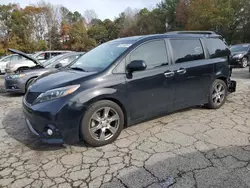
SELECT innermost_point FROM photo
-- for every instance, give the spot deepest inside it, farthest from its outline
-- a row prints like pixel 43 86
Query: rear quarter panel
pixel 221 68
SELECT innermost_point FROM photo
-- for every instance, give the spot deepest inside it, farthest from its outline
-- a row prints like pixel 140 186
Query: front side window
pixel 66 61
pixel 51 61
pixel 153 53
pixel 185 50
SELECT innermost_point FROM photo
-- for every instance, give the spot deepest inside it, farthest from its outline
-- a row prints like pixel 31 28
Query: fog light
pixel 49 132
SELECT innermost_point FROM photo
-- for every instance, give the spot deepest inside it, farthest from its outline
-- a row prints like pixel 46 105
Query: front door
pixel 151 91
pixel 193 73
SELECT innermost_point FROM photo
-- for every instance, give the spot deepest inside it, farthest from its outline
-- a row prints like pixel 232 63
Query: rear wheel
pixel 217 94
pixel 244 62
pixel 102 123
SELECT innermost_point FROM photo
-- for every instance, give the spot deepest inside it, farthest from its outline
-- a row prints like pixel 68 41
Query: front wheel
pixel 244 62
pixel 217 94
pixel 29 83
pixel 102 123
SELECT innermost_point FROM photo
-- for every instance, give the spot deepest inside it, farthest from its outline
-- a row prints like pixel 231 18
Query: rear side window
pixel 185 50
pixel 153 53
pixel 217 48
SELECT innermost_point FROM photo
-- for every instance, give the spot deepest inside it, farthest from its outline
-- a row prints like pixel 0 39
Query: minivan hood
pixel 58 78
pixel 25 55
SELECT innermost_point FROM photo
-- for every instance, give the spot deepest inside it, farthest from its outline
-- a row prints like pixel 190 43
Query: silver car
pixel 19 82
pixel 41 57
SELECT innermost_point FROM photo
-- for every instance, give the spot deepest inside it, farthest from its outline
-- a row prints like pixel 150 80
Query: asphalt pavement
pixel 195 147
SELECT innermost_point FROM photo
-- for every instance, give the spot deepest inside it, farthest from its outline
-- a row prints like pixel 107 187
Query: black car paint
pixel 141 95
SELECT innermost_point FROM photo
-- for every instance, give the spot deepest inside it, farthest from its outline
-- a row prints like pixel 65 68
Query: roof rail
pixel 193 32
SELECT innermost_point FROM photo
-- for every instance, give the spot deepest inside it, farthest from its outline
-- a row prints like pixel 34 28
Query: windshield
pixel 35 54
pixel 101 57
pixel 52 60
pixel 239 48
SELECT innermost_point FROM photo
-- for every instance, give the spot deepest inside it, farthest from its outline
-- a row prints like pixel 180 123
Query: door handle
pixel 169 74
pixel 181 71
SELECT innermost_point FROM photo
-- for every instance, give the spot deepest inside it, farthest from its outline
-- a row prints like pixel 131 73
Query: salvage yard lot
pixel 192 148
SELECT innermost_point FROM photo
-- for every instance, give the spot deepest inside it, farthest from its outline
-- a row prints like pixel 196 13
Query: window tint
pixel 153 53
pixel 187 50
pixel 217 48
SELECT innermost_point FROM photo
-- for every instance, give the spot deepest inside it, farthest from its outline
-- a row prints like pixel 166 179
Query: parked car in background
pixel 7 59
pixel 126 81
pixel 240 55
pixel 29 62
pixel 19 82
pixel 43 56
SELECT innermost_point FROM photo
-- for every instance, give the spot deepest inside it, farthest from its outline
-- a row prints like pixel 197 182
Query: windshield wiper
pixel 78 68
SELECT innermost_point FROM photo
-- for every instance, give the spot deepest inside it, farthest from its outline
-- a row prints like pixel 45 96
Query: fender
pixel 89 96
pixel 221 70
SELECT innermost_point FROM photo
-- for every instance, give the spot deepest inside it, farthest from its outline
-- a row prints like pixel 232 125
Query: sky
pixel 104 8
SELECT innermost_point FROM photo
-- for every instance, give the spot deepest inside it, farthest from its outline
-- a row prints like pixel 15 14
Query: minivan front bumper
pixel 56 117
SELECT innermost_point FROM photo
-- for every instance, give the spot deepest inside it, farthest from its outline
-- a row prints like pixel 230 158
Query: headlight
pixel 238 55
pixel 56 93
pixel 16 76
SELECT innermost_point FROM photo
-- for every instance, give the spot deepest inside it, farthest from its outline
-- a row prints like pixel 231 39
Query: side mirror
pixel 136 65
pixel 59 65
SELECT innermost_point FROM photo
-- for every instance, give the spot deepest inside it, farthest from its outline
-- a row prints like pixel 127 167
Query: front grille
pixel 31 97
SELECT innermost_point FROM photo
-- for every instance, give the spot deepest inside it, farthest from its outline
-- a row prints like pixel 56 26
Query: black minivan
pixel 126 81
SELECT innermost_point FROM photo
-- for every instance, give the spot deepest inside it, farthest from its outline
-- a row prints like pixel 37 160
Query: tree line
pixel 45 26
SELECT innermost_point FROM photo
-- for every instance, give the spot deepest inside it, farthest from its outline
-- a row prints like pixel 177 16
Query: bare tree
pixel 89 15
pixel 52 18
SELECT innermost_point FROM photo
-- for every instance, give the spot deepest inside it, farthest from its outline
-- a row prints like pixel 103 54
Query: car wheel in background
pixel 102 123
pixel 29 83
pixel 217 94
pixel 244 62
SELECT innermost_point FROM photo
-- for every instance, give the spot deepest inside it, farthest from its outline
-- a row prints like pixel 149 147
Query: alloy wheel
pixel 219 94
pixel 104 123
pixel 244 62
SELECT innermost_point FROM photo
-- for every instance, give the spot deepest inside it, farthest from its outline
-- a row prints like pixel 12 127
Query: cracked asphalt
pixel 192 148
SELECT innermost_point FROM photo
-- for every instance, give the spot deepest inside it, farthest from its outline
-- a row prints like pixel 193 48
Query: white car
pixel 7 59
pixel 27 63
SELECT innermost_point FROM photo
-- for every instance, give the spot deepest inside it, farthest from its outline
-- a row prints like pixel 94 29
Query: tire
pixel 244 62
pixel 96 122
pixel 28 84
pixel 217 96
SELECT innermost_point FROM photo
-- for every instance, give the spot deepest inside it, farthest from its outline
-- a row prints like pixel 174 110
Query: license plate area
pixel 232 86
